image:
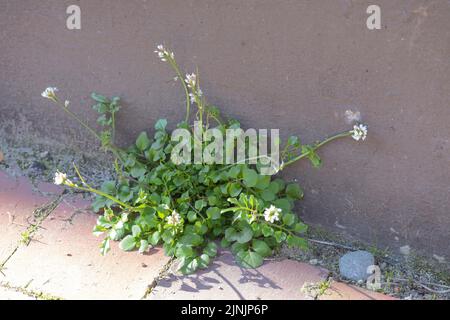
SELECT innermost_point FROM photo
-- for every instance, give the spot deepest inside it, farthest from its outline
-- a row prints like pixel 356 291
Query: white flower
pixel 199 92
pixel 163 54
pixel 66 103
pixel 272 214
pixel 191 80
pixel 50 93
pixel 60 178
pixel 359 132
pixel 192 96
pixel 174 219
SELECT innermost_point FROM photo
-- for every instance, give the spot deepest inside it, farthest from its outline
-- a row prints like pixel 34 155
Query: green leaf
pixel 138 171
pixel 200 228
pixel 234 172
pixel 99 98
pixel 98 203
pixel 203 261
pixel 210 249
pixel 212 200
pixel 128 243
pixel 188 265
pixel 249 259
pixel 143 246
pixel 294 191
pixel 234 189
pixel 192 216
pixel 312 155
pixel 191 239
pixel 213 213
pixel 263 182
pixel 154 238
pixel 297 242
pixel 261 248
pixel 267 231
pixel 230 234
pixel 284 204
pixel 184 251
pixel 294 141
pixel 274 187
pixel 243 236
pixel 200 204
pixel 105 247
pixel 167 236
pixel 224 243
pixel 250 177
pixel 268 195
pixel 136 231
pixel 280 236
pixel 161 124
pixel 300 227
pixel 289 219
pixel 109 187
pixel 143 142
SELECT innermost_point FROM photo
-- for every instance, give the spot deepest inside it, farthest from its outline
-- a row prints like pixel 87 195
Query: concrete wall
pixel 294 65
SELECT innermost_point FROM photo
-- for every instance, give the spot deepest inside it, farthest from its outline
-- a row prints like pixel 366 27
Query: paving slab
pixel 11 294
pixel 17 203
pixel 343 291
pixel 224 279
pixel 64 260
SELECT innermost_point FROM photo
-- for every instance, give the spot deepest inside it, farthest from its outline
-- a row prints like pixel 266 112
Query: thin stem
pixel 80 176
pixel 174 65
pixel 113 127
pixel 281 228
pixel 90 189
pixel 74 116
pixel 100 193
pixel 317 146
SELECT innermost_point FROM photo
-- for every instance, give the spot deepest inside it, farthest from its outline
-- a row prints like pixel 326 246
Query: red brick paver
pixel 17 203
pixel 280 280
pixel 65 261
pixel 343 291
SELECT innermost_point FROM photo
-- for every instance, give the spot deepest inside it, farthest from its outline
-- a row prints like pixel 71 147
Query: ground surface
pixel 47 251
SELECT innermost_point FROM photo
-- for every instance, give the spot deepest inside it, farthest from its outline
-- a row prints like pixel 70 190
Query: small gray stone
pixel 353 265
pixel 314 262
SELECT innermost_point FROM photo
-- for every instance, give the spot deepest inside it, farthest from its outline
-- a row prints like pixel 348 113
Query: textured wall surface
pixel 294 65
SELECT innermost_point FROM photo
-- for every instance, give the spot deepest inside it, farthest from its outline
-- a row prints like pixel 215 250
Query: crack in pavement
pixel 39 214
pixel 30 293
pixel 162 273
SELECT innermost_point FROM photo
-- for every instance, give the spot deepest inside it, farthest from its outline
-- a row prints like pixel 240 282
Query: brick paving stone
pixel 64 260
pixel 17 203
pixel 343 291
pixel 224 279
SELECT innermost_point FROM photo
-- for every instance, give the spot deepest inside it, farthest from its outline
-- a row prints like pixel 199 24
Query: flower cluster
pixel 191 80
pixel 359 132
pixel 163 53
pixel 174 219
pixel 272 214
pixel 191 83
pixel 61 178
pixel 50 93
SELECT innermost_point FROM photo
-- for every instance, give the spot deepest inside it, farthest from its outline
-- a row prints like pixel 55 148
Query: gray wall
pixel 294 65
